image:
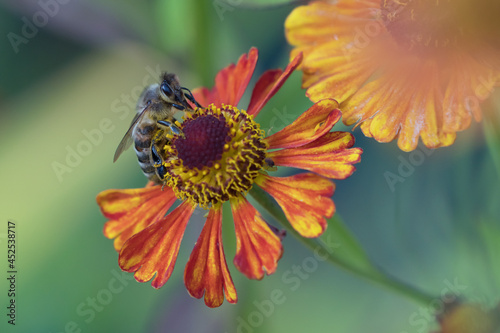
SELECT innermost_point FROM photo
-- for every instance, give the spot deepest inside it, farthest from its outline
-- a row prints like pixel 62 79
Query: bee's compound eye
pixel 165 88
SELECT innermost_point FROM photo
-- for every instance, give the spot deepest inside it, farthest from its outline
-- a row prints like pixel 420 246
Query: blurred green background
pixel 76 76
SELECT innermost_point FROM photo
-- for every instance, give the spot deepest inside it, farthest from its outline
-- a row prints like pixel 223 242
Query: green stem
pixel 361 266
pixel 204 60
pixel 491 125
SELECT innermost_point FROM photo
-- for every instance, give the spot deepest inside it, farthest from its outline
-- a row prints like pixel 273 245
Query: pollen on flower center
pixel 218 156
pixel 422 24
pixel 203 141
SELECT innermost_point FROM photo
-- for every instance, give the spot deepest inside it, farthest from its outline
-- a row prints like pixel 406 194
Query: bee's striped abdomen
pixel 142 135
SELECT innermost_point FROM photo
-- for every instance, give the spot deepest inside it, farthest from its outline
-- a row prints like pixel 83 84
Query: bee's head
pixel 170 89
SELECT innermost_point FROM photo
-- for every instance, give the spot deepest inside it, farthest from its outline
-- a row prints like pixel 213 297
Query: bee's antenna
pixel 189 96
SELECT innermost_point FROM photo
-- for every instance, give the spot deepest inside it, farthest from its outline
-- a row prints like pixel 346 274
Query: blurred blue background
pixel 67 94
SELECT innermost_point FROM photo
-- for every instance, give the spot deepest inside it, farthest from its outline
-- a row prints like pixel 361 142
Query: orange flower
pixel 400 69
pixel 469 318
pixel 219 155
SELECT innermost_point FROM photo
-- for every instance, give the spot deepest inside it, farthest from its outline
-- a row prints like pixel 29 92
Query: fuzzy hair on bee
pixel 155 111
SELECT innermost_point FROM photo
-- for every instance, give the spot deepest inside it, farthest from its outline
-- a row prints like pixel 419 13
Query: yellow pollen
pixel 219 156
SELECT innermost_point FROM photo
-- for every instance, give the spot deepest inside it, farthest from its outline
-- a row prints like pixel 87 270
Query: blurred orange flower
pixel 400 68
pixel 219 156
pixel 469 318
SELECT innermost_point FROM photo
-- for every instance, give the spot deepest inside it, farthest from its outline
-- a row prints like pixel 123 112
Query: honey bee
pixel 156 108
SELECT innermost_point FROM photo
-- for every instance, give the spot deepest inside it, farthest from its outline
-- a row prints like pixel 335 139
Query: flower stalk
pixel 350 256
pixel 492 134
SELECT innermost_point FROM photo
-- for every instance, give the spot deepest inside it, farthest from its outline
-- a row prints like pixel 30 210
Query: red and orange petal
pixel 328 156
pixel 132 210
pixel 154 250
pixel 230 83
pixel 206 271
pixel 116 203
pixel 305 199
pixel 312 124
pixel 258 248
pixel 268 84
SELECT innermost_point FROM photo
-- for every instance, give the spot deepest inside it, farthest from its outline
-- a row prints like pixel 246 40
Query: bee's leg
pixel 178 106
pixel 189 95
pixel 158 163
pixel 176 130
pixel 155 156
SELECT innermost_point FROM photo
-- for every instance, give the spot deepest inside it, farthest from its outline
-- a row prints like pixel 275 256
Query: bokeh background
pixel 78 76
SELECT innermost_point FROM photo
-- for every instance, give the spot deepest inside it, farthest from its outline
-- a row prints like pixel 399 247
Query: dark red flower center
pixel 217 157
pixel 203 141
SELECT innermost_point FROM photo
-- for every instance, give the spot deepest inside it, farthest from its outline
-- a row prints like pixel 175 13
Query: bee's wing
pixel 127 138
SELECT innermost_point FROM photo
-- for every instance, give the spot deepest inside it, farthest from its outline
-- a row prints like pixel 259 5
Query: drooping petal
pixel 304 198
pixel 154 250
pixel 116 203
pixel 375 98
pixel 205 96
pixel 404 103
pixel 268 84
pixel 257 246
pixel 232 81
pixel 206 271
pixel 132 210
pixel 315 122
pixel 327 156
